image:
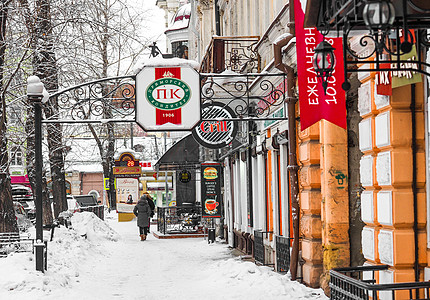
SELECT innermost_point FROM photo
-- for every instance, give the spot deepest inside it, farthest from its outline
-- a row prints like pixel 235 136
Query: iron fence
pixel 179 219
pixel 282 254
pixel 358 283
pixel 259 252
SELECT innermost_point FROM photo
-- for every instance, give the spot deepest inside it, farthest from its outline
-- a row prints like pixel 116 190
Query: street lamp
pixel 379 14
pixel 324 62
pixel 35 95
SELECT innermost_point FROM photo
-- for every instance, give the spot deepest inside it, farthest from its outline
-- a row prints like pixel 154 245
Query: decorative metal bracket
pixel 252 97
pixel 100 101
pixel 379 50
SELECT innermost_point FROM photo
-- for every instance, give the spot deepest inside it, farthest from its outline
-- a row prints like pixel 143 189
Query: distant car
pixel 24 195
pixel 21 217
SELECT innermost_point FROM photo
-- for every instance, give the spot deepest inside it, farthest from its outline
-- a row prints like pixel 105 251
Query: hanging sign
pixel 383 81
pixel 211 190
pixel 167 98
pixel 216 134
pixel 314 103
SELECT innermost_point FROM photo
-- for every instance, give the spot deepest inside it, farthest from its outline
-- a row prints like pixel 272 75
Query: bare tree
pixel 106 44
pixel 7 214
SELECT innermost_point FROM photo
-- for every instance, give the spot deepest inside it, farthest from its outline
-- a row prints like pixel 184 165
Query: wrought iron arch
pixel 105 100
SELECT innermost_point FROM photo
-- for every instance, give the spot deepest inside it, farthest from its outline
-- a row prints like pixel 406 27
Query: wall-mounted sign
pixel 127 170
pixel 167 98
pixel 184 176
pixel 216 134
pixel 211 190
pixel 145 164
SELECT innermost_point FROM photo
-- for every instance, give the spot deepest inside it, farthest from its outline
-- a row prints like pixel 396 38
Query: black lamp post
pixel 324 62
pixel 35 95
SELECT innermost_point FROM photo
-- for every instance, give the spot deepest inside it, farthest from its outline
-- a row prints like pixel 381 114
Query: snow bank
pixel 66 255
pixel 88 225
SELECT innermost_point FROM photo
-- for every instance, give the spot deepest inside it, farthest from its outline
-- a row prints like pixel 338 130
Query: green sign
pixel 168 93
pixel 277 114
pixel 406 77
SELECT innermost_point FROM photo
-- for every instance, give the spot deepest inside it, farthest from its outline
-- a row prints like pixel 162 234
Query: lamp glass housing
pixel 379 14
pixel 324 59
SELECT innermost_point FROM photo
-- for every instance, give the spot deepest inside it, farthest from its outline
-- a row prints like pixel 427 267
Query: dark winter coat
pixel 142 211
pixel 151 205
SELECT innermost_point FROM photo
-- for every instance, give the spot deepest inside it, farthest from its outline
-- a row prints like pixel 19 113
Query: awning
pixel 182 155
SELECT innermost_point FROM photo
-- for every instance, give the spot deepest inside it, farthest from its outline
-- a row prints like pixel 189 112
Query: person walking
pixel 142 211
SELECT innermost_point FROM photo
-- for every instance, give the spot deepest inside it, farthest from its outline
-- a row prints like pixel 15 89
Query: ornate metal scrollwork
pixel 109 99
pixel 251 96
pixel 241 56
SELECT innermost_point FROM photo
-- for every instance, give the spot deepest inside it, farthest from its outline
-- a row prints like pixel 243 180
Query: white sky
pixel 112 263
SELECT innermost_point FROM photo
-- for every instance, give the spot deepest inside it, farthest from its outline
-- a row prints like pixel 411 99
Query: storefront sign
pixel 127 170
pixel 387 80
pixel 216 134
pixel 383 81
pixel 127 194
pixel 145 164
pixel 167 98
pixel 184 176
pixel 314 103
pixel 211 190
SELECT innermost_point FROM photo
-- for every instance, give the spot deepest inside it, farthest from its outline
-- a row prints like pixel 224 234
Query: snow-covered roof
pixel 181 19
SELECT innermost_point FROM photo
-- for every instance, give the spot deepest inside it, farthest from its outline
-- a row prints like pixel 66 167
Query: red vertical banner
pixel 168 116
pixel 314 103
pixel 383 81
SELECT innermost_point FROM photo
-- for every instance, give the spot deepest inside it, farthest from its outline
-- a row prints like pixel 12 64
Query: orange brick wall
pixel 386 173
pixel 310 204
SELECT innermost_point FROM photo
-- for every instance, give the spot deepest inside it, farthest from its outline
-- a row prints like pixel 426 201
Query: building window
pixel 16 155
pixel 180 49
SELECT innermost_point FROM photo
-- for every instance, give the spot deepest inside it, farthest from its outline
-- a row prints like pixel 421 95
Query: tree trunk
pixel 7 213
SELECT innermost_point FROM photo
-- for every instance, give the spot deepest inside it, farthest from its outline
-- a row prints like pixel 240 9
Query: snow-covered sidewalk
pixel 112 263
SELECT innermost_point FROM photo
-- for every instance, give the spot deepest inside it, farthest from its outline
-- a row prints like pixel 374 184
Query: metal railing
pixel 282 254
pixel 358 283
pixel 235 53
pixel 259 251
pixel 179 219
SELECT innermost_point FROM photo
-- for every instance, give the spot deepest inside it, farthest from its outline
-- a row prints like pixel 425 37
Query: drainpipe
pixel 414 180
pixel 292 149
pixel 217 21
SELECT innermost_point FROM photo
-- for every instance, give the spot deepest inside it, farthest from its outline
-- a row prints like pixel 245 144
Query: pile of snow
pixel 66 255
pixel 86 262
pixel 88 225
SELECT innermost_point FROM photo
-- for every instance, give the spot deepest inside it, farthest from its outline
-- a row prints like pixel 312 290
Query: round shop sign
pixel 185 176
pixel 168 93
pixel 216 134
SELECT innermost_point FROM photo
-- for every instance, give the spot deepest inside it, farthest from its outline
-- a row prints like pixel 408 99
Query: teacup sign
pixel 211 206
pixel 211 190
